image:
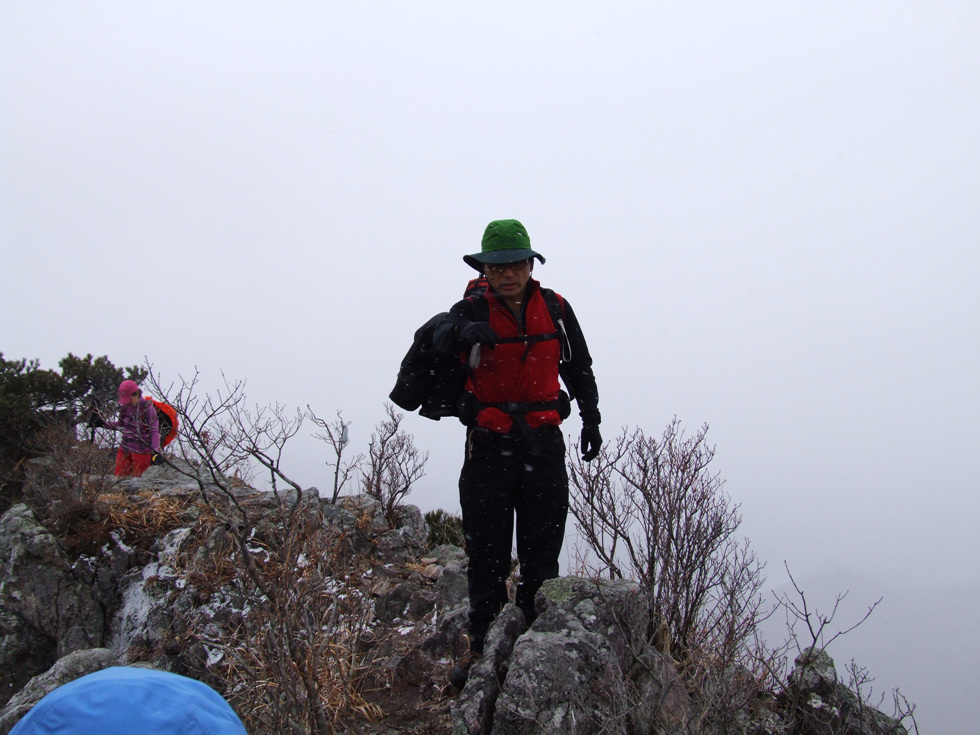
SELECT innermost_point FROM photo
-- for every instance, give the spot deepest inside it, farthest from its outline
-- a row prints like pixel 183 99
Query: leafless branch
pixel 798 611
pixel 263 432
pixel 394 464
pixel 336 434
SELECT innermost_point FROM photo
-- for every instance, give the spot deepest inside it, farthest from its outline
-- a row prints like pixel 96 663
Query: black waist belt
pixel 521 407
pixel 518 410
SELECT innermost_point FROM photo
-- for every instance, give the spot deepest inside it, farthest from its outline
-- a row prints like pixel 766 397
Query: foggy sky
pixel 764 214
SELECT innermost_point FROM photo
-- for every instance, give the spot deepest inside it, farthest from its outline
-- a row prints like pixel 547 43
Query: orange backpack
pixel 167 417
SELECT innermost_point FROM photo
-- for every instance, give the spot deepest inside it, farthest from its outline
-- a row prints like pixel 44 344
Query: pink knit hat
pixel 126 390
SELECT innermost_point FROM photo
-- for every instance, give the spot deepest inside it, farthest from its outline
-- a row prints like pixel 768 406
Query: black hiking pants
pixel 502 478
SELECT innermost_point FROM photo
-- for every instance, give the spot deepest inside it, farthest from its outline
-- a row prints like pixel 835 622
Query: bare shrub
pixel 869 707
pixel 336 434
pixel 293 663
pixel 65 482
pixel 394 464
pixel 651 510
pixel 852 706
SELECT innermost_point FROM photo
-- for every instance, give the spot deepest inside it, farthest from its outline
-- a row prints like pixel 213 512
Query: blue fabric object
pixel 130 701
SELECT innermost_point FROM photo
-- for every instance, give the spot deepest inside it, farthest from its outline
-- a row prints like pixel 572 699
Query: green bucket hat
pixel 504 241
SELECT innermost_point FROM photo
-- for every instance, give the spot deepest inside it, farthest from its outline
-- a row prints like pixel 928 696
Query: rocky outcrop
pixel 46 611
pixel 24 652
pixel 171 601
pixel 822 705
pixel 474 710
pixel 66 669
pixel 163 601
pixel 583 666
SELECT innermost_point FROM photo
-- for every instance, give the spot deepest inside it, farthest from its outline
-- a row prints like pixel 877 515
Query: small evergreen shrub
pixel 444 528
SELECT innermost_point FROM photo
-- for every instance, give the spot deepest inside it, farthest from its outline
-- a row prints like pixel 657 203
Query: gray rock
pixel 103 572
pixel 403 601
pixel 450 627
pixel 473 711
pixel 813 672
pixel 404 543
pixel 410 518
pixel 452 586
pixel 367 512
pixel 824 706
pixel 339 519
pixel 398 546
pixel 413 669
pixel 38 585
pixel 181 477
pixel 614 609
pixel 583 667
pixel 393 604
pixel 446 554
pixel 66 669
pixel 24 652
pixel 565 679
pixel 145 613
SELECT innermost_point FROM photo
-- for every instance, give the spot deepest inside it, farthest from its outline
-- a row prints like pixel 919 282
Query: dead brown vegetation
pixel 65 482
pixel 297 662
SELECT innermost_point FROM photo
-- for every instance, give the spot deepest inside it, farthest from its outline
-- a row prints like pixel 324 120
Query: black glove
pixel 478 333
pixel 591 441
pixel 156 458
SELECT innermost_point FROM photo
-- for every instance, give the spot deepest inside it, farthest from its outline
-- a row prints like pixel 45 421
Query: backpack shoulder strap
pixel 556 308
pixel 476 287
pixel 481 307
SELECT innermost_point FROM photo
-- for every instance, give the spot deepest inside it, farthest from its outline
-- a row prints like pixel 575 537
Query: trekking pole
pixel 95 420
pixel 91 423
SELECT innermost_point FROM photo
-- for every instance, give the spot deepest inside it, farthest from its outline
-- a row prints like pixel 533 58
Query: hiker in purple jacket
pixel 141 431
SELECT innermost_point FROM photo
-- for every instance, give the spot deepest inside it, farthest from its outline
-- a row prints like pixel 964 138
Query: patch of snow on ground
pixel 130 622
pixel 137 604
pixel 214 655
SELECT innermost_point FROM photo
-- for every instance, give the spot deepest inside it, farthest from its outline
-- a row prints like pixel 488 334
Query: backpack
pixel 434 382
pixel 167 418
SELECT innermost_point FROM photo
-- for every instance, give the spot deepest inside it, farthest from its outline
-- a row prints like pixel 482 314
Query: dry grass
pixel 147 516
pixel 298 659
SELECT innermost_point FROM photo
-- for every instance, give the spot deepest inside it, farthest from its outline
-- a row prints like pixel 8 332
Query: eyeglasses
pixel 496 269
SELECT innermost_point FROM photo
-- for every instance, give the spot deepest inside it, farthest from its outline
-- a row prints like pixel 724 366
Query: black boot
pixel 461 669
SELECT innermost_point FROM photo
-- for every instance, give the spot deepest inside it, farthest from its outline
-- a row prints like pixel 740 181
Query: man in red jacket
pixel 517 338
